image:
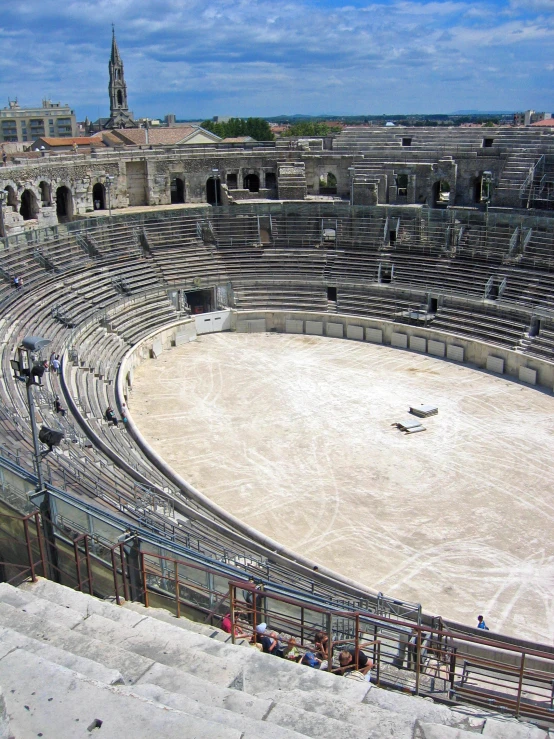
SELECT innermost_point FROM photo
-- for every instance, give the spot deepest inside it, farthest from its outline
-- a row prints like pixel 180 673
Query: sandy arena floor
pixel 293 435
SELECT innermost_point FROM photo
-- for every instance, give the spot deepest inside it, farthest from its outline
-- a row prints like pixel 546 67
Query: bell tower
pixel 120 115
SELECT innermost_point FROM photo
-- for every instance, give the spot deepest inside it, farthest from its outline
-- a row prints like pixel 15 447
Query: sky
pixel 198 59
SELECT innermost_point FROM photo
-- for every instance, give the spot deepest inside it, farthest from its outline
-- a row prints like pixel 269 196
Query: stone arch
pixel 252 182
pixel 11 199
pixel 177 190
pixel 29 205
pixel 45 193
pixel 99 196
pixel 213 191
pixel 440 194
pixel 64 204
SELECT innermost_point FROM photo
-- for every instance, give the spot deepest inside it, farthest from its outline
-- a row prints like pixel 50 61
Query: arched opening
pixel 177 190
pixel 11 199
pixel 252 183
pixel 29 205
pixel 99 196
pixel 441 194
pixel 64 204
pixel 119 97
pixel 45 193
pixel 270 181
pixel 213 191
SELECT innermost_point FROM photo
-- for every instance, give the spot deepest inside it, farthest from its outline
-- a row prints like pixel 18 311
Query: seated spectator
pixel 268 640
pixel 110 416
pixel 310 660
pixel 58 406
pixel 481 623
pixel 291 651
pixel 226 623
pixel 320 640
pixel 347 661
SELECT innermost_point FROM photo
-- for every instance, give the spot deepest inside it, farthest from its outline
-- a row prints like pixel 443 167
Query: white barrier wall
pixel 531 370
pixel 208 323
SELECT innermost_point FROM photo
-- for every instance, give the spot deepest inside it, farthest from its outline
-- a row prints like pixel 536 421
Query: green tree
pixel 310 128
pixel 257 128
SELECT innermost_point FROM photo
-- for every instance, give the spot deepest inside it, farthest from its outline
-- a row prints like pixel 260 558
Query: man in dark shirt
pixel 347 661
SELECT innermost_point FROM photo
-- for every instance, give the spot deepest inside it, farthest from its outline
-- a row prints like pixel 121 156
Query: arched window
pixel 328 184
pixel 29 205
pixel 64 204
pixel 119 97
pixel 252 183
pixel 99 196
pixel 177 190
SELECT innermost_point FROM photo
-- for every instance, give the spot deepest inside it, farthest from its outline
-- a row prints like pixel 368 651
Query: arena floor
pixel 294 435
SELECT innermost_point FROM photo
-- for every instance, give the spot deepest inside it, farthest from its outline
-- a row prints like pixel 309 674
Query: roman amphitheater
pixel 276 348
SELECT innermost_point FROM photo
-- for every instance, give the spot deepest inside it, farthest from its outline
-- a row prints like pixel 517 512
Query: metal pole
pixel 2 226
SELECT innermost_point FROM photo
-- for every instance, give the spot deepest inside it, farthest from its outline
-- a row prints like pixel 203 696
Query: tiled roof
pixel 546 122
pixel 78 140
pixel 156 136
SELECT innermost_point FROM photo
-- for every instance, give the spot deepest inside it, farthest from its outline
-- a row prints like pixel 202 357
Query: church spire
pixel 120 115
pixel 115 58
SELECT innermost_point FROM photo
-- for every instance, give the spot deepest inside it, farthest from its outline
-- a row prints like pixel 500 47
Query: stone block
pixel 293 326
pixel 375 335
pixel 418 344
pixel 185 334
pixel 528 375
pixel 436 348
pixel 314 328
pixel 511 729
pixel 251 326
pixel 336 330
pixel 438 731
pixel 495 364
pixel 157 348
pixel 399 340
pixel 355 332
pixel 455 353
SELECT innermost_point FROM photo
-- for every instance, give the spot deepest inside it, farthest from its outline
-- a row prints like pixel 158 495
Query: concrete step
pixel 10 640
pixel 252 728
pixel 45 699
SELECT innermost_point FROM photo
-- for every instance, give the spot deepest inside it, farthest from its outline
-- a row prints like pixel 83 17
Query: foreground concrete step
pixel 82 603
pixel 5 732
pixel 185 623
pixel 175 649
pixel 10 640
pixel 512 729
pixel 47 700
pixel 133 667
pixel 36 607
pixel 436 731
pixel 252 729
pixel 372 722
pixel 424 709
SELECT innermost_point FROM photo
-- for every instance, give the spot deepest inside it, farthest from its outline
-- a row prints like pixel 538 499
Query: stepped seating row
pixel 378 305
pixel 74 663
pixel 541 346
pixel 486 327
pixel 277 297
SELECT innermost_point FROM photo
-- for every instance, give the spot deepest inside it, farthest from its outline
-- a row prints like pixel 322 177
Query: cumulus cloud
pixel 255 57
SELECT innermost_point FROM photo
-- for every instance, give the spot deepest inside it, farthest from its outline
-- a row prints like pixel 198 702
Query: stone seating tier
pixel 71 662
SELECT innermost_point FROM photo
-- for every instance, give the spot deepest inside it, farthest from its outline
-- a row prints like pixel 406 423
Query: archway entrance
pixel 64 204
pixel 29 205
pixel 99 196
pixel 441 194
pixel 213 191
pixel 177 190
pixel 252 183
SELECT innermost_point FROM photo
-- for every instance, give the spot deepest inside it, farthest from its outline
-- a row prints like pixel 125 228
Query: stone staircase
pixel 516 170
pixel 75 666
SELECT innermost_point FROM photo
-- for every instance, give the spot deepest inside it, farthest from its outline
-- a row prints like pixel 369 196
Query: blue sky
pixel 248 57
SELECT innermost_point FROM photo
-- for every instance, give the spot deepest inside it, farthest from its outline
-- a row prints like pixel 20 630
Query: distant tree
pixel 257 128
pixel 311 128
